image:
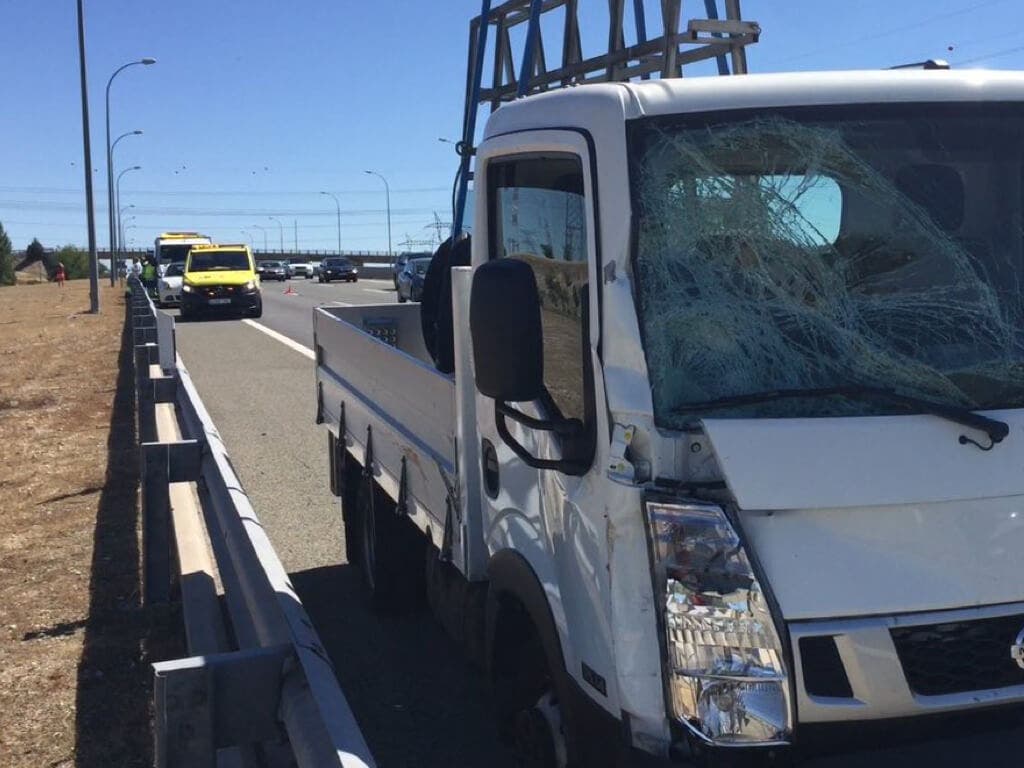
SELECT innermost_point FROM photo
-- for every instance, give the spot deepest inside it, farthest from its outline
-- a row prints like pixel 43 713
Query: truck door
pixel 538 206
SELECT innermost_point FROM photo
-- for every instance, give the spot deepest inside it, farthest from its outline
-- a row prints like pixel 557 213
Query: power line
pixel 49 205
pixel 993 55
pixel 221 193
pixel 892 31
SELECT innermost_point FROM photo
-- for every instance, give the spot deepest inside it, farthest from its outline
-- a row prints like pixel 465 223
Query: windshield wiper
pixel 996 430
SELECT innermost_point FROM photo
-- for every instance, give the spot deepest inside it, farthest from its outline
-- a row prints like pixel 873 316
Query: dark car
pixel 401 260
pixel 336 268
pixel 410 279
pixel 271 270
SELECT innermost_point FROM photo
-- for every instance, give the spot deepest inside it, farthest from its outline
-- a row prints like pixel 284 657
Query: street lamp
pixel 248 234
pixel 115 245
pixel 117 195
pixel 337 205
pixel 264 231
pixel 90 218
pixel 280 228
pixel 387 193
pixel 110 155
pixel 121 222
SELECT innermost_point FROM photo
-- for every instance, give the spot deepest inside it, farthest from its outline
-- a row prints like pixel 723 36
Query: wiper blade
pixel 996 430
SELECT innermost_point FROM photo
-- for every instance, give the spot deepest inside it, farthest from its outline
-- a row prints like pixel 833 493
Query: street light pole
pixel 114 233
pixel 252 243
pixel 264 231
pixel 387 196
pixel 117 197
pixel 110 159
pixel 94 266
pixel 120 226
pixel 280 228
pixel 113 207
pixel 337 207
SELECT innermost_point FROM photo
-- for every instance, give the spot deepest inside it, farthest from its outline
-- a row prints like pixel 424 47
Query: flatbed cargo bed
pixel 374 371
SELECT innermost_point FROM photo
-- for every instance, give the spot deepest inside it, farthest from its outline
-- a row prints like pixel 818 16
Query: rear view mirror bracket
pixel 566 466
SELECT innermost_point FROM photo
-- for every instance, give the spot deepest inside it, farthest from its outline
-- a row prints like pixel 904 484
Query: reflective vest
pixel 149 272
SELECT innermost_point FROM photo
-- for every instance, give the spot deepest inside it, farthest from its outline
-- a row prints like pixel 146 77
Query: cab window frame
pixel 582 448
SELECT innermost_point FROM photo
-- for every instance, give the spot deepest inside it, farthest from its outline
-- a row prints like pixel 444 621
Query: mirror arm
pixel 561 427
pixel 560 465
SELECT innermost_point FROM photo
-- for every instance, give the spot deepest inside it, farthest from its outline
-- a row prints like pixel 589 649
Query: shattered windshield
pixel 877 246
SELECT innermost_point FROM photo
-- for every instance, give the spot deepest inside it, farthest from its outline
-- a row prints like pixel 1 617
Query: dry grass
pixel 74 641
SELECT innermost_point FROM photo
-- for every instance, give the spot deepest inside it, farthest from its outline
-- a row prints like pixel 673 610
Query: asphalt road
pixel 291 313
pixel 417 700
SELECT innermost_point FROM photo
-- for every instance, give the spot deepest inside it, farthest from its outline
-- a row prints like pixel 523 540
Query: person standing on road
pixel 149 277
pixel 59 275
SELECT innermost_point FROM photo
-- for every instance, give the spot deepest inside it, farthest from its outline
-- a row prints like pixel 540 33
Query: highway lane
pixel 291 313
pixel 417 700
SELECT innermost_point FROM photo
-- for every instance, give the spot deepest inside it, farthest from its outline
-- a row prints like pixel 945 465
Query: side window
pixel 537 215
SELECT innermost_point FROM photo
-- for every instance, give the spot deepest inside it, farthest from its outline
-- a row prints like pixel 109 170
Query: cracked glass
pixel 815 248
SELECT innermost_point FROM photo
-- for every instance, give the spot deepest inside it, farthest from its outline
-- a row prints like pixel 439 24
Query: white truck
pixel 173 247
pixel 730 462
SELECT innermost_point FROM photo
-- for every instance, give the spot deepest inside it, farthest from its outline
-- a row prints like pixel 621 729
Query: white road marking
pixel 301 349
pixel 378 290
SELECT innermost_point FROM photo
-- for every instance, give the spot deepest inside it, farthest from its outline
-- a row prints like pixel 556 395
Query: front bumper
pixel 220 299
pixel 170 297
pixel 330 274
pixel 907 666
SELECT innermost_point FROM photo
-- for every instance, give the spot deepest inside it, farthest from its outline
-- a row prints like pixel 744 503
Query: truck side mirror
pixel 504 320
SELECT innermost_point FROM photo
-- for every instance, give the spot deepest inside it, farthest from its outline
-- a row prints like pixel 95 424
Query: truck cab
pixel 730 456
pixel 173 247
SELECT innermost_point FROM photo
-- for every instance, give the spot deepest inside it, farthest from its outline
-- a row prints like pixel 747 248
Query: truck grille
pixel 960 656
pixel 218 291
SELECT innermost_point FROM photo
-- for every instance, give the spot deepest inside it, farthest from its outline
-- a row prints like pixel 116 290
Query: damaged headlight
pixel 724 669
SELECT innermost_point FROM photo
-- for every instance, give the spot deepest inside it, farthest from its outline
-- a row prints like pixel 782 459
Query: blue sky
pixel 254 107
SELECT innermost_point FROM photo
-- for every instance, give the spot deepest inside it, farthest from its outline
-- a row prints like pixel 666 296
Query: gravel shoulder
pixel 75 643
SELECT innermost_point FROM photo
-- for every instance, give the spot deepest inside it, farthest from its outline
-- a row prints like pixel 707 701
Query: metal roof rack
pixel 664 55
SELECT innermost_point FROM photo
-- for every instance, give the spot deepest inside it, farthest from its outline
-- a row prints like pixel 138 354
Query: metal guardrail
pixel 257 687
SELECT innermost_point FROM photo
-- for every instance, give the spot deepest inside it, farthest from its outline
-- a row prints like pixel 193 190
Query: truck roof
pixel 179 235
pixel 583 104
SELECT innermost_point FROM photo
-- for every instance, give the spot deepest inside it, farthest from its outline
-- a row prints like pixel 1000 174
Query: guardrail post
pixel 212 702
pixel 162 464
pixel 156 528
pixel 145 355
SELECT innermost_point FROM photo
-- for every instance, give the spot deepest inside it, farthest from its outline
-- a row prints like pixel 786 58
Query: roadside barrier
pixel 257 687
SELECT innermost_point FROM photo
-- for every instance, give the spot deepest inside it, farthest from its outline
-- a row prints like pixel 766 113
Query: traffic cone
pixel 289 292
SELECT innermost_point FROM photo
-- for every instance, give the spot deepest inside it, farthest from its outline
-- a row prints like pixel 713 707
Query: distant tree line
pixel 6 259
pixel 75 260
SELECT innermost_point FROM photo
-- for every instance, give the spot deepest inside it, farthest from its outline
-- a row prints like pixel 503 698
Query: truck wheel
pixel 534 713
pixel 390 551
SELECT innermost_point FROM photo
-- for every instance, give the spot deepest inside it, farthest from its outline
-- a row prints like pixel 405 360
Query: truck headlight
pixel 724 665
pixel 186 288
pixel 249 286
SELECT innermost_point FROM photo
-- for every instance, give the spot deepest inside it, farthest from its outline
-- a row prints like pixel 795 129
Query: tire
pixel 390 551
pixel 401 298
pixel 327 279
pixel 531 714
pixel 258 312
